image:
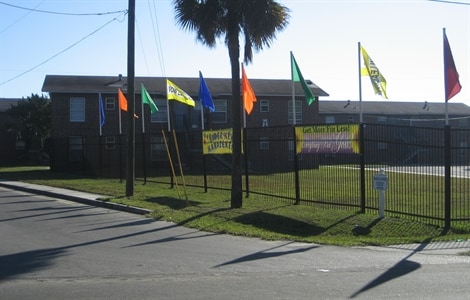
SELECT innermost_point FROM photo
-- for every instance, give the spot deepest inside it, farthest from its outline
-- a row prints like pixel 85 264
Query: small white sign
pixel 380 182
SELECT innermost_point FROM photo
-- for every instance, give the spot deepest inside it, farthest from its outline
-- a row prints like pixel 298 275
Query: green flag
pixel 297 76
pixel 146 99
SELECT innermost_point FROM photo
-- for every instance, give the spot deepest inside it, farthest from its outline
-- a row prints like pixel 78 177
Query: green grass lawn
pixel 266 219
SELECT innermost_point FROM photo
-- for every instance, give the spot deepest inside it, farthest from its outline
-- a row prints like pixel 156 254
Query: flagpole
pixel 202 116
pixel 99 112
pixel 168 107
pixel 293 90
pixel 119 109
pixel 360 80
pixel 445 78
pixel 142 110
pixel 244 103
pixel 200 101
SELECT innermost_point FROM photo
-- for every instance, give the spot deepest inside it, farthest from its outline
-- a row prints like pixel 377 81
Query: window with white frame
pixel 77 109
pixel 264 143
pixel 220 114
pixel 75 148
pixel 161 116
pixel 264 105
pixel 298 112
pixel 110 103
pixel 110 142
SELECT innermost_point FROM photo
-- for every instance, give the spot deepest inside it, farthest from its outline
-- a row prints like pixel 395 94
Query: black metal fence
pixel 428 169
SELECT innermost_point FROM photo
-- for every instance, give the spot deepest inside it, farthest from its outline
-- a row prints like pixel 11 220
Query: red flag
pixel 248 95
pixel 451 76
pixel 122 100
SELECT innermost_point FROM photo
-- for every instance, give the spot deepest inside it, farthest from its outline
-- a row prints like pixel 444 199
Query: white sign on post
pixel 380 182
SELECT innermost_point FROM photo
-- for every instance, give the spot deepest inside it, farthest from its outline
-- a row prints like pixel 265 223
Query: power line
pixel 63 51
pixel 64 13
pixel 450 2
pixel 156 36
pixel 21 18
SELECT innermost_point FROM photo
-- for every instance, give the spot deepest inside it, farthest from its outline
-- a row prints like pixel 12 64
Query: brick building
pixel 75 123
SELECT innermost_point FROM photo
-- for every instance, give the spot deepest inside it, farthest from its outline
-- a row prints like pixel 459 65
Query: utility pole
pixel 131 100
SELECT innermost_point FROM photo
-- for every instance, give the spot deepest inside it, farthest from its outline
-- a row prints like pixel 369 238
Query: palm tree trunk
pixel 234 53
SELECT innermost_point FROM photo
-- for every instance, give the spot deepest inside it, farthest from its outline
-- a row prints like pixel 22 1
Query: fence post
pixel 144 162
pixel 296 170
pixel 247 181
pixel 447 176
pixel 362 167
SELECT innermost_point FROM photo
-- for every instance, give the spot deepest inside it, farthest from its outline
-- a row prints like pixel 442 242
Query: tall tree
pixel 257 22
pixel 32 120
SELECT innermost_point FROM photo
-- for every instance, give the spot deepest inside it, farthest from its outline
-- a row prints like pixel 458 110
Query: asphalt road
pixel 57 249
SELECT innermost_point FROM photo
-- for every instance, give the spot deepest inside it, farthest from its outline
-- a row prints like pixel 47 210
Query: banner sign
pixel 334 138
pixel 217 141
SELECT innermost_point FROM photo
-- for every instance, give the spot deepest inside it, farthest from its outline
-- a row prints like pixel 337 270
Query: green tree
pixel 32 120
pixel 257 22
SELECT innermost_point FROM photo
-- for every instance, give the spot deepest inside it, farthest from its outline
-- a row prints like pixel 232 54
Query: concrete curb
pixel 76 196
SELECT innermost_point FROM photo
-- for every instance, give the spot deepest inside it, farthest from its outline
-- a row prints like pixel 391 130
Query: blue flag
pixel 101 111
pixel 204 94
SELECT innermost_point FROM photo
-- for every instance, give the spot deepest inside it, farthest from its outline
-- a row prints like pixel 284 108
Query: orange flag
pixel 123 102
pixel 248 95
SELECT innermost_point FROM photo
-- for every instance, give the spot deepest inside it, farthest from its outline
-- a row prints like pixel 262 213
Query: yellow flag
pixel 173 92
pixel 376 78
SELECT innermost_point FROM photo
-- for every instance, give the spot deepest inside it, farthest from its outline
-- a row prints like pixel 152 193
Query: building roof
pixel 387 107
pixel 6 103
pixel 157 85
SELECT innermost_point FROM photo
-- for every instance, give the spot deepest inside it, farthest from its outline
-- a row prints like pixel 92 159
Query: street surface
pixel 57 249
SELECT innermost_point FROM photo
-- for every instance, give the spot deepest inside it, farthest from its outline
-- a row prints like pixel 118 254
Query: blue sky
pixel 403 37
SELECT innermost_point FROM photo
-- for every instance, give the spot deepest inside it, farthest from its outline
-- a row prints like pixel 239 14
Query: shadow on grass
pixel 173 203
pixel 279 224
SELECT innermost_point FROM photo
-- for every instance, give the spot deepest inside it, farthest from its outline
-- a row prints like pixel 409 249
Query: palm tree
pixel 257 21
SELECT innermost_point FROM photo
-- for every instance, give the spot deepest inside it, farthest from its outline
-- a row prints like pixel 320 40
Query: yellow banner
pixel 334 138
pixel 217 141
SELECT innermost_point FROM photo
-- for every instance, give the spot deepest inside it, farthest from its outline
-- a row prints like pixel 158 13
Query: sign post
pixel 380 184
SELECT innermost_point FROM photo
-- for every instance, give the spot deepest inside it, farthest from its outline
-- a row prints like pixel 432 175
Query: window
pixel 110 142
pixel 196 115
pixel 330 119
pixel 264 143
pixel 157 149
pixel 77 109
pixel 75 148
pixel 351 119
pixel 291 154
pixel 382 146
pixel 110 103
pixel 382 119
pixel 264 105
pixel 462 122
pixel 220 113
pixel 298 112
pixel 161 116
pixel 463 148
pixel 265 123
